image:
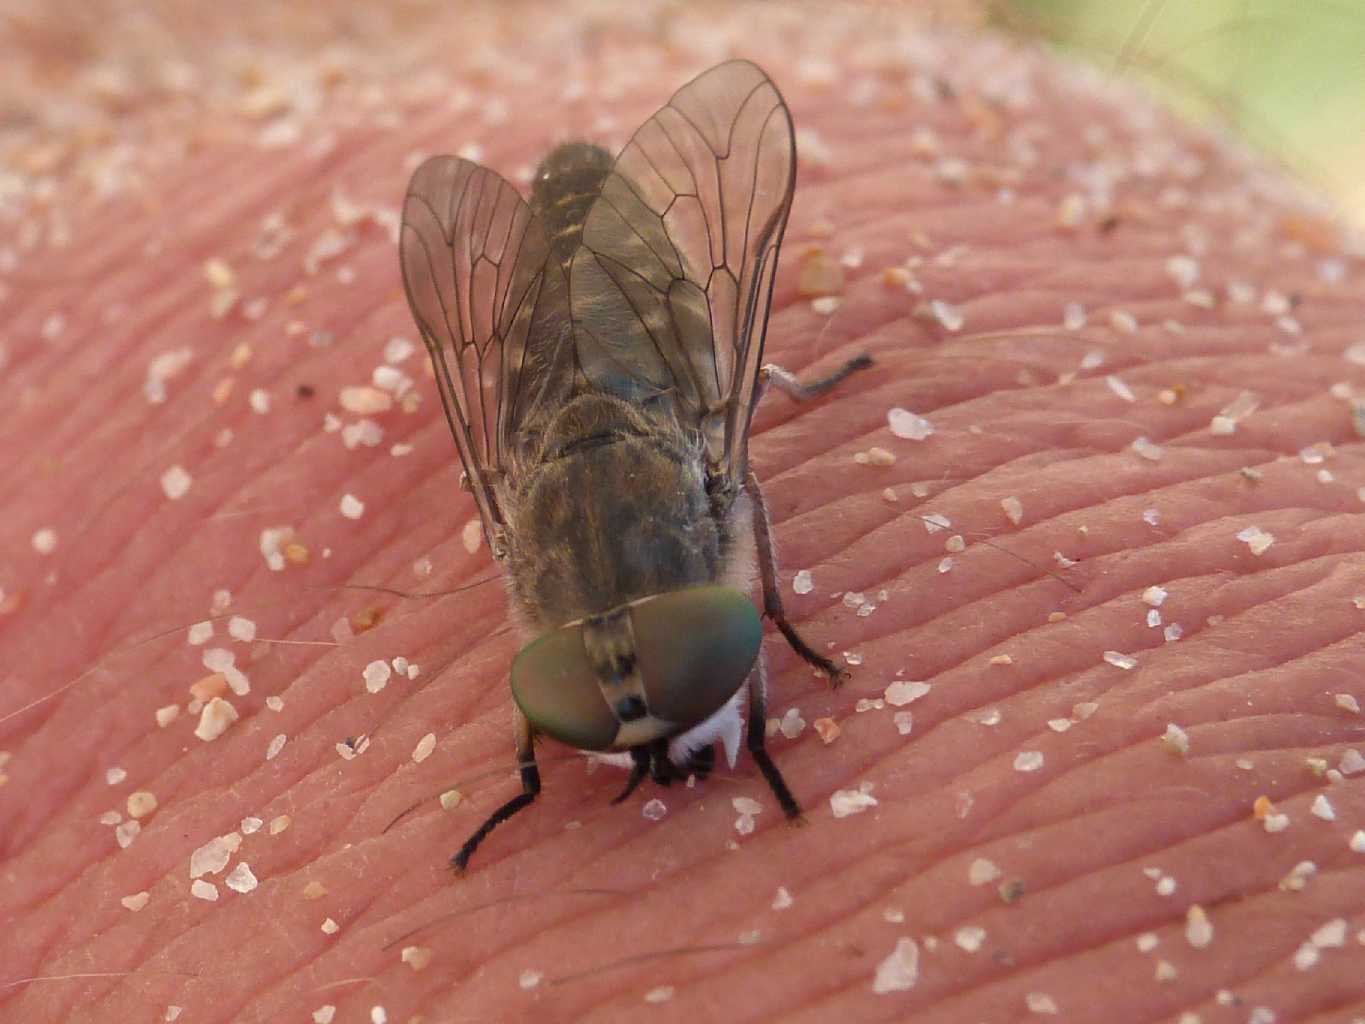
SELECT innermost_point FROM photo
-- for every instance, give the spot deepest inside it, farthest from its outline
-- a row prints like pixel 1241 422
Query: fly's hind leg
pixel 530 788
pixel 772 596
pixel 787 382
pixel 756 741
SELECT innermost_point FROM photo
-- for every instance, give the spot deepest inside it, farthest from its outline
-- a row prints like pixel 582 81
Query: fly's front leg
pixel 530 788
pixel 772 596
pixel 756 740
pixel 639 768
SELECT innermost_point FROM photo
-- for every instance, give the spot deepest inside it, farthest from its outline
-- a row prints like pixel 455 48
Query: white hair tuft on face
pixel 725 725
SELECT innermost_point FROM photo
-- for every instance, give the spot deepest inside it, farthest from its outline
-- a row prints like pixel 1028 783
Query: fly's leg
pixel 530 788
pixel 756 741
pixel 639 768
pixel 789 385
pixel 661 767
pixel 786 382
pixel 772 596
pixel 703 762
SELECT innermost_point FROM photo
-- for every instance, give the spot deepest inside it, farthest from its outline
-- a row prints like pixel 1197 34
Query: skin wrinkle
pixel 1109 801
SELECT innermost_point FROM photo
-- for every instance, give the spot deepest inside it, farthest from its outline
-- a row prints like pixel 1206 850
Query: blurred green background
pixel 1290 76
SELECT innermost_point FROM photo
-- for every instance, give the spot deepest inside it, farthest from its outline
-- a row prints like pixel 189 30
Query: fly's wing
pixel 671 286
pixel 492 310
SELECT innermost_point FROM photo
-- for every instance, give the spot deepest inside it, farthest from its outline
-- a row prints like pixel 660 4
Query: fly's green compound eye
pixel 695 648
pixel 554 685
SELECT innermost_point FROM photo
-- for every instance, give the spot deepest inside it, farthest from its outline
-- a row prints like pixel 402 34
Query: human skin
pixel 1033 797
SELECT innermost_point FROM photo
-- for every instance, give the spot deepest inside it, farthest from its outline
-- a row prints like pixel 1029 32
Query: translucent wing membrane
pixel 667 298
pixel 491 309
pixel 671 288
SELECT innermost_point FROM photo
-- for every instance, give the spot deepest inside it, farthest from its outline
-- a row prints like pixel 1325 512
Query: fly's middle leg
pixel 639 768
pixel 772 595
pixel 530 789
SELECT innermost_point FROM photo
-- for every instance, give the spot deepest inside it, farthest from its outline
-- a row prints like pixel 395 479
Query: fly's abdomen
pixel 566 183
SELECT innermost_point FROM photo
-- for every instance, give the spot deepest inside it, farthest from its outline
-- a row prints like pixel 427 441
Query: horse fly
pixel 598 356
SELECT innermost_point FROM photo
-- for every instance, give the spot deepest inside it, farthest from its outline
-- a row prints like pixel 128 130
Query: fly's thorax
pixel 614 508
pixel 590 420
pixel 641 672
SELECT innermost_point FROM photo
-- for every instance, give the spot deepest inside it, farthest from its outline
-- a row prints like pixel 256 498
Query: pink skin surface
pixel 1035 845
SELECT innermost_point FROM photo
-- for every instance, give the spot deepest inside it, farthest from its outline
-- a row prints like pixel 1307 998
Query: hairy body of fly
pixel 612 506
pixel 614 509
pixel 598 357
